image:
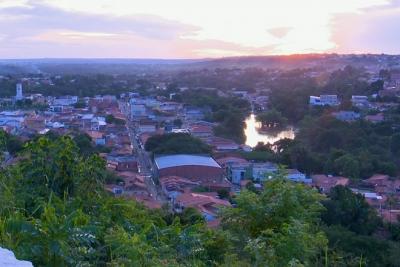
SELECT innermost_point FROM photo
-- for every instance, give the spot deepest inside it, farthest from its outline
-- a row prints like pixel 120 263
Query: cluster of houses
pixel 159 115
pixel 64 116
pixel 369 111
pixel 181 177
pixel 194 181
pixel 383 193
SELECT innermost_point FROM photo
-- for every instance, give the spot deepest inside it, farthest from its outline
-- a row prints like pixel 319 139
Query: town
pixel 194 140
pixel 119 127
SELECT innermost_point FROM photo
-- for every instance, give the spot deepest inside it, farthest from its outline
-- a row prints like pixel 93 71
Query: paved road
pixel 144 161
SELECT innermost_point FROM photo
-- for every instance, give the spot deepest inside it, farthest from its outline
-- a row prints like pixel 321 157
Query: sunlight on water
pixel 253 136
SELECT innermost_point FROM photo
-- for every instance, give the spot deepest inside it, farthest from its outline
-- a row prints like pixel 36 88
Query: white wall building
pixel 324 100
pixel 19 95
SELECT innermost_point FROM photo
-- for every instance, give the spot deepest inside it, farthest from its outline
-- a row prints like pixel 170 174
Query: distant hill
pixel 126 66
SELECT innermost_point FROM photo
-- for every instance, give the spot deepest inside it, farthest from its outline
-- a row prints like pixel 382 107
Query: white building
pixel 297 176
pixel 359 100
pixel 262 171
pixel 138 110
pixel 324 100
pixel 19 95
pixel 348 116
pixel 65 101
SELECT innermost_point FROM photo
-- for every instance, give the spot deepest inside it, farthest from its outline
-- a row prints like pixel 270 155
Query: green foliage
pixel 347 166
pixel 176 144
pixel 112 120
pixel 223 194
pixel 55 212
pixel 10 143
pixel 276 227
pixel 200 189
pixel 80 104
pixel 370 250
pixel 272 118
pixel 229 112
pixel 395 143
pixel 357 150
pixel 191 216
pixel 350 210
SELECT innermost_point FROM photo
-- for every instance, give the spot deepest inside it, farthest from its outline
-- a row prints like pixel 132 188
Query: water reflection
pixel 254 136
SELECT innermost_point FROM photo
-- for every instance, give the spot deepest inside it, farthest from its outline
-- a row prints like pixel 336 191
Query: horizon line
pixel 198 59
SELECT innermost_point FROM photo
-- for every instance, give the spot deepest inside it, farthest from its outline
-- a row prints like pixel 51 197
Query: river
pixel 254 136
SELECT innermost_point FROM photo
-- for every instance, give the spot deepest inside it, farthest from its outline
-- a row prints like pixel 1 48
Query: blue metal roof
pixel 184 160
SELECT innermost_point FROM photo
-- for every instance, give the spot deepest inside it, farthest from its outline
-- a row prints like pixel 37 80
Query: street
pixel 144 161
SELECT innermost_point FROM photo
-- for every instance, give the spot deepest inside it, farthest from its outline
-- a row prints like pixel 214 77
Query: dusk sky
pixel 195 29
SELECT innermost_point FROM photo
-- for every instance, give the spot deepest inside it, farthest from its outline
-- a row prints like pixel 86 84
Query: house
pixel 208 204
pixel 240 93
pixel 65 101
pixel 359 100
pixel 230 160
pixel 133 183
pixel 194 114
pixel 324 100
pixel 169 107
pixel 147 126
pixel 390 92
pixel 222 144
pixel 60 109
pixel 375 118
pixel 201 131
pixel 326 182
pixel 97 123
pixel 173 186
pixel 236 172
pixel 236 169
pixel 97 137
pixel 347 116
pixel 262 171
pixel 383 184
pixel 12 119
pixel 55 124
pixel 297 176
pixel 138 110
pixel 122 163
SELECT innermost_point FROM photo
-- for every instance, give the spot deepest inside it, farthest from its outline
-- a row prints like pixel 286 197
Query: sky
pixel 196 29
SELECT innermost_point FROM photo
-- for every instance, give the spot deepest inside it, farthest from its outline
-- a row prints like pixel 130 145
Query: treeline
pixel 326 145
pixel 290 91
pixel 79 85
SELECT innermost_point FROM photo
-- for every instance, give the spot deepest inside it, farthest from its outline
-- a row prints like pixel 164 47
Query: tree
pixel 178 123
pixel 191 216
pixel 112 120
pixel 395 143
pixel 84 143
pixel 223 193
pixel 350 210
pixel 346 165
pixel 176 144
pixel 275 227
pixel 272 118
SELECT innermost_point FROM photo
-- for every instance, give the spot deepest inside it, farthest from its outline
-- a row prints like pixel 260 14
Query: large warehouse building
pixel 194 167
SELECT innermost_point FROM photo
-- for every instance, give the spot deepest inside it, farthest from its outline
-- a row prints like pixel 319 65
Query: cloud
pixel 375 30
pixel 176 29
pixel 279 32
pixel 22 21
pixel 33 29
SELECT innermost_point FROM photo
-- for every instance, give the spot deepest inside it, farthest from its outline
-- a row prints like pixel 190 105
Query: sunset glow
pixel 181 29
